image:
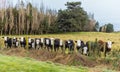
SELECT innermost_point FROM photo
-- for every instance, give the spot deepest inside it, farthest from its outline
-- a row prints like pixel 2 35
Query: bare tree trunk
pixel 19 24
pixel 28 22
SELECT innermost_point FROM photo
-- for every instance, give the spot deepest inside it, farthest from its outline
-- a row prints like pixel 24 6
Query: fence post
pixel 43 44
pixel 27 43
pixel 75 50
pixel 89 48
pixel 103 53
pixel 104 49
pixel 66 49
pixel 0 42
pixel 96 51
pixel 53 46
pixel 63 46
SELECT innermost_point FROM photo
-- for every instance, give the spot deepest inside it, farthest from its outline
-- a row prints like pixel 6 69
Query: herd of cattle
pixel 55 44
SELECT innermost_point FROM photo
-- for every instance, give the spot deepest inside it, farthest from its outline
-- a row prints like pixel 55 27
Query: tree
pixel 109 28
pixel 72 19
pixel 96 28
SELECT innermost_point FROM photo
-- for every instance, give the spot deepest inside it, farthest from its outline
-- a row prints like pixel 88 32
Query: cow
pixel 31 43
pixel 47 43
pixel 69 44
pixel 85 50
pixel 23 42
pixel 15 42
pixel 57 44
pixel 7 41
pixel 79 45
pixel 37 43
pixel 42 42
pixel 51 43
pixel 105 46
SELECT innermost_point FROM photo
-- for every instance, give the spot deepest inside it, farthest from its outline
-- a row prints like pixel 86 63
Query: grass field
pixel 14 64
pixel 85 36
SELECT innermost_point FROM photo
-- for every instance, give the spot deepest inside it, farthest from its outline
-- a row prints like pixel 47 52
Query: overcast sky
pixel 105 11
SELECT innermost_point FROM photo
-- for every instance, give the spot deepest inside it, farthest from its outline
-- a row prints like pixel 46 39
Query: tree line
pixel 107 28
pixel 24 18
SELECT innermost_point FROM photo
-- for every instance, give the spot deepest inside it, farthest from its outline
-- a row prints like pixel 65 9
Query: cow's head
pixel 109 44
pixel 100 42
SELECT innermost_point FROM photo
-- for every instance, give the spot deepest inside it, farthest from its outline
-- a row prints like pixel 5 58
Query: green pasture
pixel 85 36
pixel 15 64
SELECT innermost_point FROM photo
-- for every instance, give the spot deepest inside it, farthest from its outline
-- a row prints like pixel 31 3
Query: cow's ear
pixel 75 41
pixel 113 42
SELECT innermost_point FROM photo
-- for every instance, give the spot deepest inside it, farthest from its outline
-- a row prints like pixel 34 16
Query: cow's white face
pixel 22 39
pixel 78 42
pixel 68 41
pixel 42 40
pixel 5 38
pixel 47 41
pixel 37 41
pixel 109 44
pixel 61 43
pixel 29 40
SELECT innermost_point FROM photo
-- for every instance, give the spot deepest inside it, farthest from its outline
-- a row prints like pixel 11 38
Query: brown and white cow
pixel 107 45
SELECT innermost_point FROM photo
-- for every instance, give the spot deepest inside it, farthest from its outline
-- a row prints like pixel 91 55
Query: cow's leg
pixel 6 45
pixel 78 49
pixel 51 47
pixel 73 48
pixel 30 45
pixel 47 47
pixel 41 46
pixel 70 48
pixel 38 46
pixel 61 48
pixel 55 48
pixel 58 48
